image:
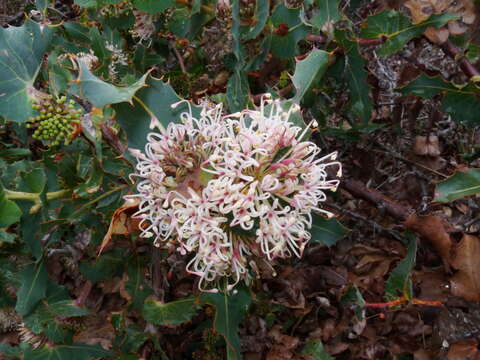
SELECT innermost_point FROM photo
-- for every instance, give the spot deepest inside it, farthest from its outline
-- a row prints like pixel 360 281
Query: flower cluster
pixel 56 121
pixel 230 189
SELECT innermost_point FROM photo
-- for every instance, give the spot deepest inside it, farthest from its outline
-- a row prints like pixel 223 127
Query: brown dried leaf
pixel 416 11
pixel 437 36
pixel 121 223
pixel 435 230
pixel 464 350
pixel 466 282
pixel 97 334
pixel 284 345
pixel 426 146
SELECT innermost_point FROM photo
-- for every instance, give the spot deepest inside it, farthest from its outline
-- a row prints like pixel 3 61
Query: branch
pixel 35 197
pixel 469 70
pixel 431 228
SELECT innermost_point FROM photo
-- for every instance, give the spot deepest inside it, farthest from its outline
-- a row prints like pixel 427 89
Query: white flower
pixel 228 189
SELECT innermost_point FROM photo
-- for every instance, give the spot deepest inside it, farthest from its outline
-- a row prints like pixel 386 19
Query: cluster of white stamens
pixel 228 189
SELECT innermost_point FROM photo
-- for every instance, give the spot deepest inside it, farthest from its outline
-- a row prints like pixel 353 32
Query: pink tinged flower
pixel 203 180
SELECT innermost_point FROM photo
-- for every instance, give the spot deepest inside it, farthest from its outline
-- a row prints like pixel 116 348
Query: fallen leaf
pixel 121 223
pixel 97 332
pixel 464 350
pixel 466 282
pixel 435 230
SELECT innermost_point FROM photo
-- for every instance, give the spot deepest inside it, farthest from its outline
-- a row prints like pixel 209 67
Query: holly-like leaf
pixel 398 29
pixel 21 55
pixel 237 91
pixel 261 16
pixel 399 282
pixel 10 213
pixel 326 12
pixel 152 107
pixel 76 351
pixel 285 45
pixel 101 93
pixel 237 87
pixel 308 71
pixel 44 318
pixel 356 77
pixel 136 286
pixel 326 231
pixel 230 311
pixel 172 313
pixel 462 103
pixel 34 286
pixel 6 237
pixel 35 179
pixel 153 6
pixel 315 349
pixel 461 184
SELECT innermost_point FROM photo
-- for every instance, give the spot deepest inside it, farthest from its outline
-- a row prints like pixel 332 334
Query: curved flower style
pixel 230 189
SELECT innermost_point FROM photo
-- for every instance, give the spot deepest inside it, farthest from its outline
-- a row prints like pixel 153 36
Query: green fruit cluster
pixel 56 120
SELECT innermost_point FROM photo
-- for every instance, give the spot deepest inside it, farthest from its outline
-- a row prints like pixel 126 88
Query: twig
pixel 392 208
pixel 403 300
pixel 400 157
pixel 469 70
pixel 370 42
pixel 179 57
pixel 374 224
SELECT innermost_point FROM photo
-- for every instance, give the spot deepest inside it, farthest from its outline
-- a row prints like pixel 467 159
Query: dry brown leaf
pixel 464 350
pixel 97 334
pixel 422 354
pixel 435 230
pixel 437 36
pixel 466 282
pixel 121 223
pixel 284 346
pixel 420 10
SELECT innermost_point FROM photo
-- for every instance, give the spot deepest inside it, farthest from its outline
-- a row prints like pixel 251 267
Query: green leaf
pixel 399 282
pixel 461 184
pixel 326 12
pixel 12 352
pixel 398 29
pixel 101 93
pixel 41 5
pixel 314 348
pixel 76 351
pixel 356 77
pixel 10 213
pixel 14 152
pixel 353 295
pixel 106 266
pixel 172 313
pixel 45 318
pixel 326 231
pixel 33 289
pixel 462 103
pixel 308 71
pixel 21 56
pixel 6 237
pixel 285 46
pixel 261 16
pixel 153 6
pixel 230 311
pixel 151 105
pixel 36 180
pixel 136 285
pixel 237 87
pixel 30 233
pixel 237 91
